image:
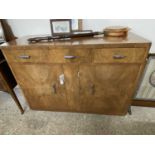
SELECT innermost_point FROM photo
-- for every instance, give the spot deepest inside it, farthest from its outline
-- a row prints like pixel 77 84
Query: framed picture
pixel 76 25
pixel 146 90
pixel 60 27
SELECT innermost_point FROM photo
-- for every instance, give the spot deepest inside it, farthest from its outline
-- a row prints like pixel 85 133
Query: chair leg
pixel 12 93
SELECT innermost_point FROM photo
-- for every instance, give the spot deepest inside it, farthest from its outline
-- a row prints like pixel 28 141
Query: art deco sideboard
pixel 92 75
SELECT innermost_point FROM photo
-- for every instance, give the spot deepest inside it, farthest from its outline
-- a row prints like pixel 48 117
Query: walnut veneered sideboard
pixel 92 75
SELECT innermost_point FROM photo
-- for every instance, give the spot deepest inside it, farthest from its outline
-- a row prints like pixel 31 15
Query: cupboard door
pixel 107 88
pixel 41 85
pixel 87 88
pixel 71 73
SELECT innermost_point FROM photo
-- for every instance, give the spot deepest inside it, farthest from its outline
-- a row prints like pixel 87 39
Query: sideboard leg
pixel 129 110
pixel 12 93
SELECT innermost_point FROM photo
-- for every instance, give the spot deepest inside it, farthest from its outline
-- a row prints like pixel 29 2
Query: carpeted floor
pixel 142 121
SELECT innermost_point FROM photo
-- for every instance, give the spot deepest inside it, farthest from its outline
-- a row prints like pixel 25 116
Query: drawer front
pixel 49 56
pixel 119 55
pixel 67 55
pixel 33 55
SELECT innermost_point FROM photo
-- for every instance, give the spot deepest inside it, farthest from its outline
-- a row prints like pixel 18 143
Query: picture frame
pixel 77 25
pixel 146 88
pixel 60 27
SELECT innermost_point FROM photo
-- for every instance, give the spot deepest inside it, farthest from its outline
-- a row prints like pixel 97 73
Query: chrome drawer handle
pixel 70 57
pixel 24 57
pixel 117 56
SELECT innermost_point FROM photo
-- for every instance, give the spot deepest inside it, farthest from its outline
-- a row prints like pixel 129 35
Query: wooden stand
pixel 8 82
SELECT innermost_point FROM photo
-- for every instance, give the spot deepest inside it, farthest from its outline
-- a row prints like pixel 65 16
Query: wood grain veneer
pixel 100 74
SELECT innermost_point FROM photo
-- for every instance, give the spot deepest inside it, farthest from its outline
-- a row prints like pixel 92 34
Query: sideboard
pixel 88 75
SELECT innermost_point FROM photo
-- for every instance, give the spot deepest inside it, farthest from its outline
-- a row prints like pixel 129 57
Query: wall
pixel 143 27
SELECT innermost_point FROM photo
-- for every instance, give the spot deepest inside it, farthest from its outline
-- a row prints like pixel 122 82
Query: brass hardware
pixel 69 57
pixel 54 89
pixel 62 79
pixel 78 74
pixel 24 57
pixel 118 56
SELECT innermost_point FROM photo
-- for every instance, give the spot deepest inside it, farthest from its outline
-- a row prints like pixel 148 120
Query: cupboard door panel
pixel 87 88
pixel 72 85
pixel 112 89
pixel 41 85
pixel 87 79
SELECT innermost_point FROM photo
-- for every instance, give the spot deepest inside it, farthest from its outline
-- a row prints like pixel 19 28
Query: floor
pixel 142 121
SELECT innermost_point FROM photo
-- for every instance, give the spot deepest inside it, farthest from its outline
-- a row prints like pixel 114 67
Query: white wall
pixel 143 27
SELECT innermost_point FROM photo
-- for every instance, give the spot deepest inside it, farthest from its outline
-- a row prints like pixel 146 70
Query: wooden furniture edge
pixel 144 103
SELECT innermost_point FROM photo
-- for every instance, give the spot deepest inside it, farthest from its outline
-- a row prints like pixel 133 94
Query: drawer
pixel 67 55
pixel 119 55
pixel 24 55
pixel 49 56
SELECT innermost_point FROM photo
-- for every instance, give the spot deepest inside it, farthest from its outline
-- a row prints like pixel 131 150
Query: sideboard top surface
pixel 96 41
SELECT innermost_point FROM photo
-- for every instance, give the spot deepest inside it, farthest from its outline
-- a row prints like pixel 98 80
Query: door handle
pixel 119 56
pixel 62 79
pixel 70 57
pixel 54 91
pixel 78 74
pixel 24 57
pixel 92 89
